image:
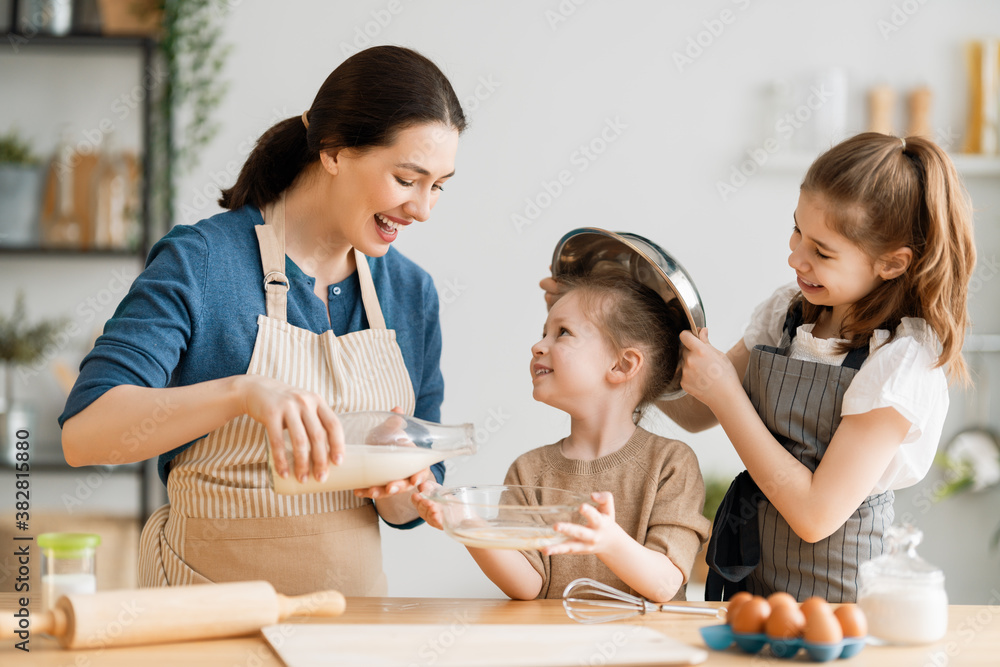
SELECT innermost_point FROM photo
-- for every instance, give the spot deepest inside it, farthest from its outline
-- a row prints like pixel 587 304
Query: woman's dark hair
pixel 363 104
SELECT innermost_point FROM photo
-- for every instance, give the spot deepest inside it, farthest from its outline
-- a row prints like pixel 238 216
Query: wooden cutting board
pixel 476 645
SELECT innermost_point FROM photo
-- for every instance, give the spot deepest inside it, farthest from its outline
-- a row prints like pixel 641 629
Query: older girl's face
pixel 378 193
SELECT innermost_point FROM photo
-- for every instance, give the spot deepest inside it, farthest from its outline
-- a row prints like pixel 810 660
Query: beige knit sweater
pixel 659 496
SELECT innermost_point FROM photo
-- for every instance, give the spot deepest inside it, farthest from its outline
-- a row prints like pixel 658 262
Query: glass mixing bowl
pixel 507 516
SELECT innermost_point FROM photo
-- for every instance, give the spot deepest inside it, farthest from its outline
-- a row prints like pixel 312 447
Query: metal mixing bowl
pixel 591 250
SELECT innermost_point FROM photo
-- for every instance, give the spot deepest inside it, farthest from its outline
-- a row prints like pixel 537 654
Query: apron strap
pixel 271 237
pixel 368 296
pixel 854 359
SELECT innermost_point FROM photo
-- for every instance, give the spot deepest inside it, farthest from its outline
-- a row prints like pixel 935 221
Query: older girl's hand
pixel 598 536
pixel 315 433
pixel 553 290
pixel 706 373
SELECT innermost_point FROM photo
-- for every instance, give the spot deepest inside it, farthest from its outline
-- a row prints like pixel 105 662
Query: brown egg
pixel 822 628
pixel 852 620
pixel 786 621
pixel 751 616
pixel 735 603
pixel 781 598
pixel 814 603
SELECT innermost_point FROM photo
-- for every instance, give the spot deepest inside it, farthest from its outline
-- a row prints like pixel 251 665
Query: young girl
pixel 602 357
pixel 844 390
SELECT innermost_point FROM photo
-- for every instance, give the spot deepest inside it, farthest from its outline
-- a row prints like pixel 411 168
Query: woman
pixel 276 315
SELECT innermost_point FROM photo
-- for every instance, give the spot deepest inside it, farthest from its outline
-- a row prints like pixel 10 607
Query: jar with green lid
pixel 68 565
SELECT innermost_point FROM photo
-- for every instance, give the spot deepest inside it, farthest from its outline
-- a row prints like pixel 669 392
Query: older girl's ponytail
pixel 941 273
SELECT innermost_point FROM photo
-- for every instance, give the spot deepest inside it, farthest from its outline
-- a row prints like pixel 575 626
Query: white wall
pixel 536 89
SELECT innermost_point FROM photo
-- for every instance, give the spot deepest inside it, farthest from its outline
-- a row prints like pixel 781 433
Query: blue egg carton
pixel 721 637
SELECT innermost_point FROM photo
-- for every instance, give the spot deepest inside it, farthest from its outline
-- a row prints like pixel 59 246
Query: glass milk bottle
pixel 68 565
pixel 380 447
pixel 903 595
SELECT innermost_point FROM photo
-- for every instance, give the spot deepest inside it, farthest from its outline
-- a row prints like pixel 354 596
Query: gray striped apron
pixel 800 403
pixel 224 523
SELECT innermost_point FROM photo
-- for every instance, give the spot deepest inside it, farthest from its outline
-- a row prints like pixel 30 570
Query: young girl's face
pixel 572 359
pixel 831 270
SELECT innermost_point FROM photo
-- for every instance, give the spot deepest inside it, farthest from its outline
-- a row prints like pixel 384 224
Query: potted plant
pixel 21 344
pixel 20 190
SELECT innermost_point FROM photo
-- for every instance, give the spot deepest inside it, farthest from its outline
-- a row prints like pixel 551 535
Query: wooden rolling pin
pixel 157 615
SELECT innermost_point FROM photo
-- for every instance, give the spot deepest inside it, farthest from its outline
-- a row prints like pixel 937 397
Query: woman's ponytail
pixel 280 154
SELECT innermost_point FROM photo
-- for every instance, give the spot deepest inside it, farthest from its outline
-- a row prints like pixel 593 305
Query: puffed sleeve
pixel 900 374
pixel 768 318
pixel 149 331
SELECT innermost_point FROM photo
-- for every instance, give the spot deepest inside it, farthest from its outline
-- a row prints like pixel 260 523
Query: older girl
pixel 844 389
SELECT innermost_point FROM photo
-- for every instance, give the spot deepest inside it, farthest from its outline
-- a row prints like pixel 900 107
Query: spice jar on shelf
pixel 903 595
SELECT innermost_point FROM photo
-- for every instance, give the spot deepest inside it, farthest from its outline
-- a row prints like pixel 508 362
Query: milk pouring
pixel 381 447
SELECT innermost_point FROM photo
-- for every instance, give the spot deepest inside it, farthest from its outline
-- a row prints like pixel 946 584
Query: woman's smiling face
pixel 380 191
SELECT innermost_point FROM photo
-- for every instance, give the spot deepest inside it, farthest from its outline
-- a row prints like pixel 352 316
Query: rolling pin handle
pixel 52 622
pixel 320 604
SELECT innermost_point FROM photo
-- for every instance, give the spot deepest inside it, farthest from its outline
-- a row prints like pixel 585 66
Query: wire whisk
pixel 589 601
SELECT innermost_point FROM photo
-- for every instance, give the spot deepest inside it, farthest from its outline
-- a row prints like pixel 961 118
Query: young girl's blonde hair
pixel 888 193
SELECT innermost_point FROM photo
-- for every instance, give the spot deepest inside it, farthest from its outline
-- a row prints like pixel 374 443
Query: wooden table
pixel 973 637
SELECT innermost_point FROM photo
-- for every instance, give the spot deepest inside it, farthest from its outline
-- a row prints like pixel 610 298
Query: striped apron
pixel 224 523
pixel 752 547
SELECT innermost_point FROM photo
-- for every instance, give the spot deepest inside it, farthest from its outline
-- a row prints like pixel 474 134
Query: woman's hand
pixel 428 510
pixel 392 433
pixel 706 373
pixel 316 435
pixel 599 535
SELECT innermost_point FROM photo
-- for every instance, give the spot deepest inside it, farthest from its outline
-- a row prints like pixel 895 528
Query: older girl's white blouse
pixel 899 374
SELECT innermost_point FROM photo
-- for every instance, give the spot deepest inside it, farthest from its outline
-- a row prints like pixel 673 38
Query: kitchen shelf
pixel 18 40
pixel 967 165
pixel 146 47
pixel 68 252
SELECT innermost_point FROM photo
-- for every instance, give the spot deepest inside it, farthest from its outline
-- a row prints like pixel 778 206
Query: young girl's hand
pixel 428 510
pixel 598 536
pixel 706 373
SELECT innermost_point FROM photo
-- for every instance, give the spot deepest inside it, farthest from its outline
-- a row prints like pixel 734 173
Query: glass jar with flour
pixel 68 565
pixel 903 595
